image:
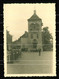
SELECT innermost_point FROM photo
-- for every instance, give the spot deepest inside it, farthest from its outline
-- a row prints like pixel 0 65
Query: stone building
pixel 9 41
pixel 32 40
pixel 9 46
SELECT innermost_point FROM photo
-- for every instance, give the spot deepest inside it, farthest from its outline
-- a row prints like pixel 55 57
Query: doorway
pixel 35 44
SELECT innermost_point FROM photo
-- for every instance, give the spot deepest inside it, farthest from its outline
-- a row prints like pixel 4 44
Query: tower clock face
pixel 34 27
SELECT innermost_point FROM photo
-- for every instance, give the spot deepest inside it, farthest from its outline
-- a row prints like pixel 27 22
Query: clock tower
pixel 34 32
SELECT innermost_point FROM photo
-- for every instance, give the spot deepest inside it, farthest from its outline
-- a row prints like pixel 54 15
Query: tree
pixel 47 39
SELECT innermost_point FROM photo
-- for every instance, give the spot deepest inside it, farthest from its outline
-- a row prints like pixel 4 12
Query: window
pixel 34 43
pixel 31 35
pixel 37 35
pixel 34 26
pixel 31 29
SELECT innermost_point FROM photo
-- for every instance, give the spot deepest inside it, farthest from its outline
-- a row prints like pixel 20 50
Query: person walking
pixel 39 52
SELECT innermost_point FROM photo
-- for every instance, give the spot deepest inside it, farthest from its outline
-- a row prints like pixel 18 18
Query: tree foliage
pixel 47 39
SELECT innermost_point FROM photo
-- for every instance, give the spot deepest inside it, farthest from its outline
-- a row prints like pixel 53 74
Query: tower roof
pixel 34 17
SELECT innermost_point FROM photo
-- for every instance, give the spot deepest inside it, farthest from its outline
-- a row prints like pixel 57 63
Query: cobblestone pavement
pixel 32 63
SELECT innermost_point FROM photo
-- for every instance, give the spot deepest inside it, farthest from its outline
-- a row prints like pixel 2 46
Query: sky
pixel 16 16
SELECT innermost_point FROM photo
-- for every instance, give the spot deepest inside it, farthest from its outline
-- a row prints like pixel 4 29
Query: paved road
pixel 32 63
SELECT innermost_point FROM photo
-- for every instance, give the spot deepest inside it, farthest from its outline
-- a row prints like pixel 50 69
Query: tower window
pixel 31 35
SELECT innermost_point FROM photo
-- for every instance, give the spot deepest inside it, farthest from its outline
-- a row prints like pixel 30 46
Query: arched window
pixel 34 27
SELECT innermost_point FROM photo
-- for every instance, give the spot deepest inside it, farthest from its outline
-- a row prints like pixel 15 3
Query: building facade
pixel 32 40
pixel 9 47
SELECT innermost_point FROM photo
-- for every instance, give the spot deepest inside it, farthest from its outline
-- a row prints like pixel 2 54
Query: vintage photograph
pixel 29 39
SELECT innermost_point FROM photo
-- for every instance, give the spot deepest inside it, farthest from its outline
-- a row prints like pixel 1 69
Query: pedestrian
pixel 39 52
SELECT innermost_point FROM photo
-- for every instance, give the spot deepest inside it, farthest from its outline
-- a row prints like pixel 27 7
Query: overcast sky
pixel 16 15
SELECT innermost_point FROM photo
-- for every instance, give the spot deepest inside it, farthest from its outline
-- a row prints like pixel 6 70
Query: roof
pixel 34 17
pixel 25 35
pixel 8 34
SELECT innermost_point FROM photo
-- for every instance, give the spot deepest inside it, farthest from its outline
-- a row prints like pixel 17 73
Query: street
pixel 32 63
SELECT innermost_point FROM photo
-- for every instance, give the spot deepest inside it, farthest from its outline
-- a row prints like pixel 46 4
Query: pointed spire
pixel 34 11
